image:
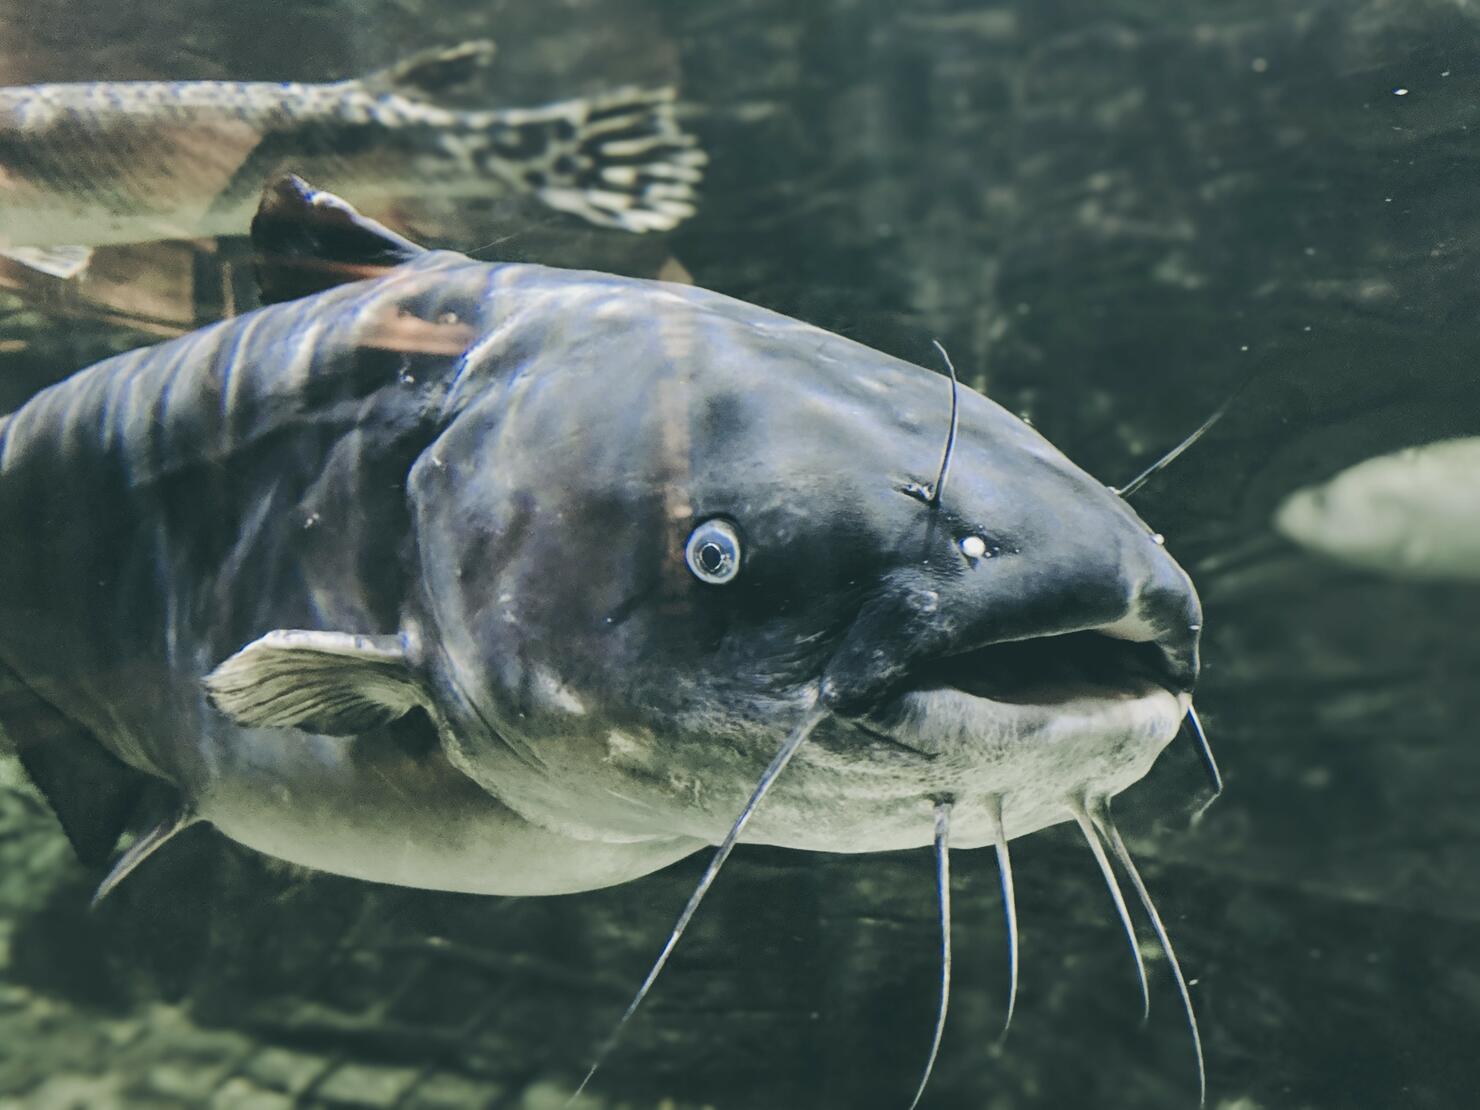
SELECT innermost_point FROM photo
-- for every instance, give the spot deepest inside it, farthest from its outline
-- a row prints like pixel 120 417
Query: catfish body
pixel 510 579
pixel 179 499
pixel 414 578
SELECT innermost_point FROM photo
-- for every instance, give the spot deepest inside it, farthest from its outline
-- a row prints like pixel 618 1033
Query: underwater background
pixel 1116 215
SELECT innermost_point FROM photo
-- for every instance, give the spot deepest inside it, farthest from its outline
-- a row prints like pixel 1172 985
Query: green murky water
pixel 1113 214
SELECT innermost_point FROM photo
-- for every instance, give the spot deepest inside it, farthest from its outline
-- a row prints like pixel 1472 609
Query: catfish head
pixel 663 523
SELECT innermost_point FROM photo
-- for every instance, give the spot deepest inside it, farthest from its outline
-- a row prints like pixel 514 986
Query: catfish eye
pixel 713 552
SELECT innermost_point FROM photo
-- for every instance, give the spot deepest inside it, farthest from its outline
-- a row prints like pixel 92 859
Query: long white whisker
pixel 1092 838
pixel 1100 811
pixel 943 887
pixel 814 715
pixel 1009 908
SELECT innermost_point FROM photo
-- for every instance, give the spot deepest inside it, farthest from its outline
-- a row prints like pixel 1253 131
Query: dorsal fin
pixel 433 71
pixel 305 240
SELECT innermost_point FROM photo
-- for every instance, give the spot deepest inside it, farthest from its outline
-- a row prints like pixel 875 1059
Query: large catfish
pixel 509 579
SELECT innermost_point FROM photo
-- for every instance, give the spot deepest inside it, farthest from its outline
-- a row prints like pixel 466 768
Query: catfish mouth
pixel 1049 670
pixel 1020 683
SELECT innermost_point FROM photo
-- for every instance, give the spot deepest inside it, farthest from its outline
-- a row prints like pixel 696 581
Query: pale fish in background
pixel 89 164
pixel 1414 513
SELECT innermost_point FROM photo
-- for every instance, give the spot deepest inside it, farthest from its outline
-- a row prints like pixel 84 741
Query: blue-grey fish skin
pixel 113 162
pixel 176 500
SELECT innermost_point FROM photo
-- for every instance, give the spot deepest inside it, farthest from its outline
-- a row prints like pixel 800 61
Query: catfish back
pixel 166 506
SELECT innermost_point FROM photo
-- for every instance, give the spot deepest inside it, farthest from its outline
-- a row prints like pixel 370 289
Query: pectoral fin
pixel 328 682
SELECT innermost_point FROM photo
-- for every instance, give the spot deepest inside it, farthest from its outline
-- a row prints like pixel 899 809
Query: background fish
pixel 1414 513
pixel 82 165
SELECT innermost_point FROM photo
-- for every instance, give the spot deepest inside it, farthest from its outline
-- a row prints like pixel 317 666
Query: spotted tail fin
pixel 620 160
